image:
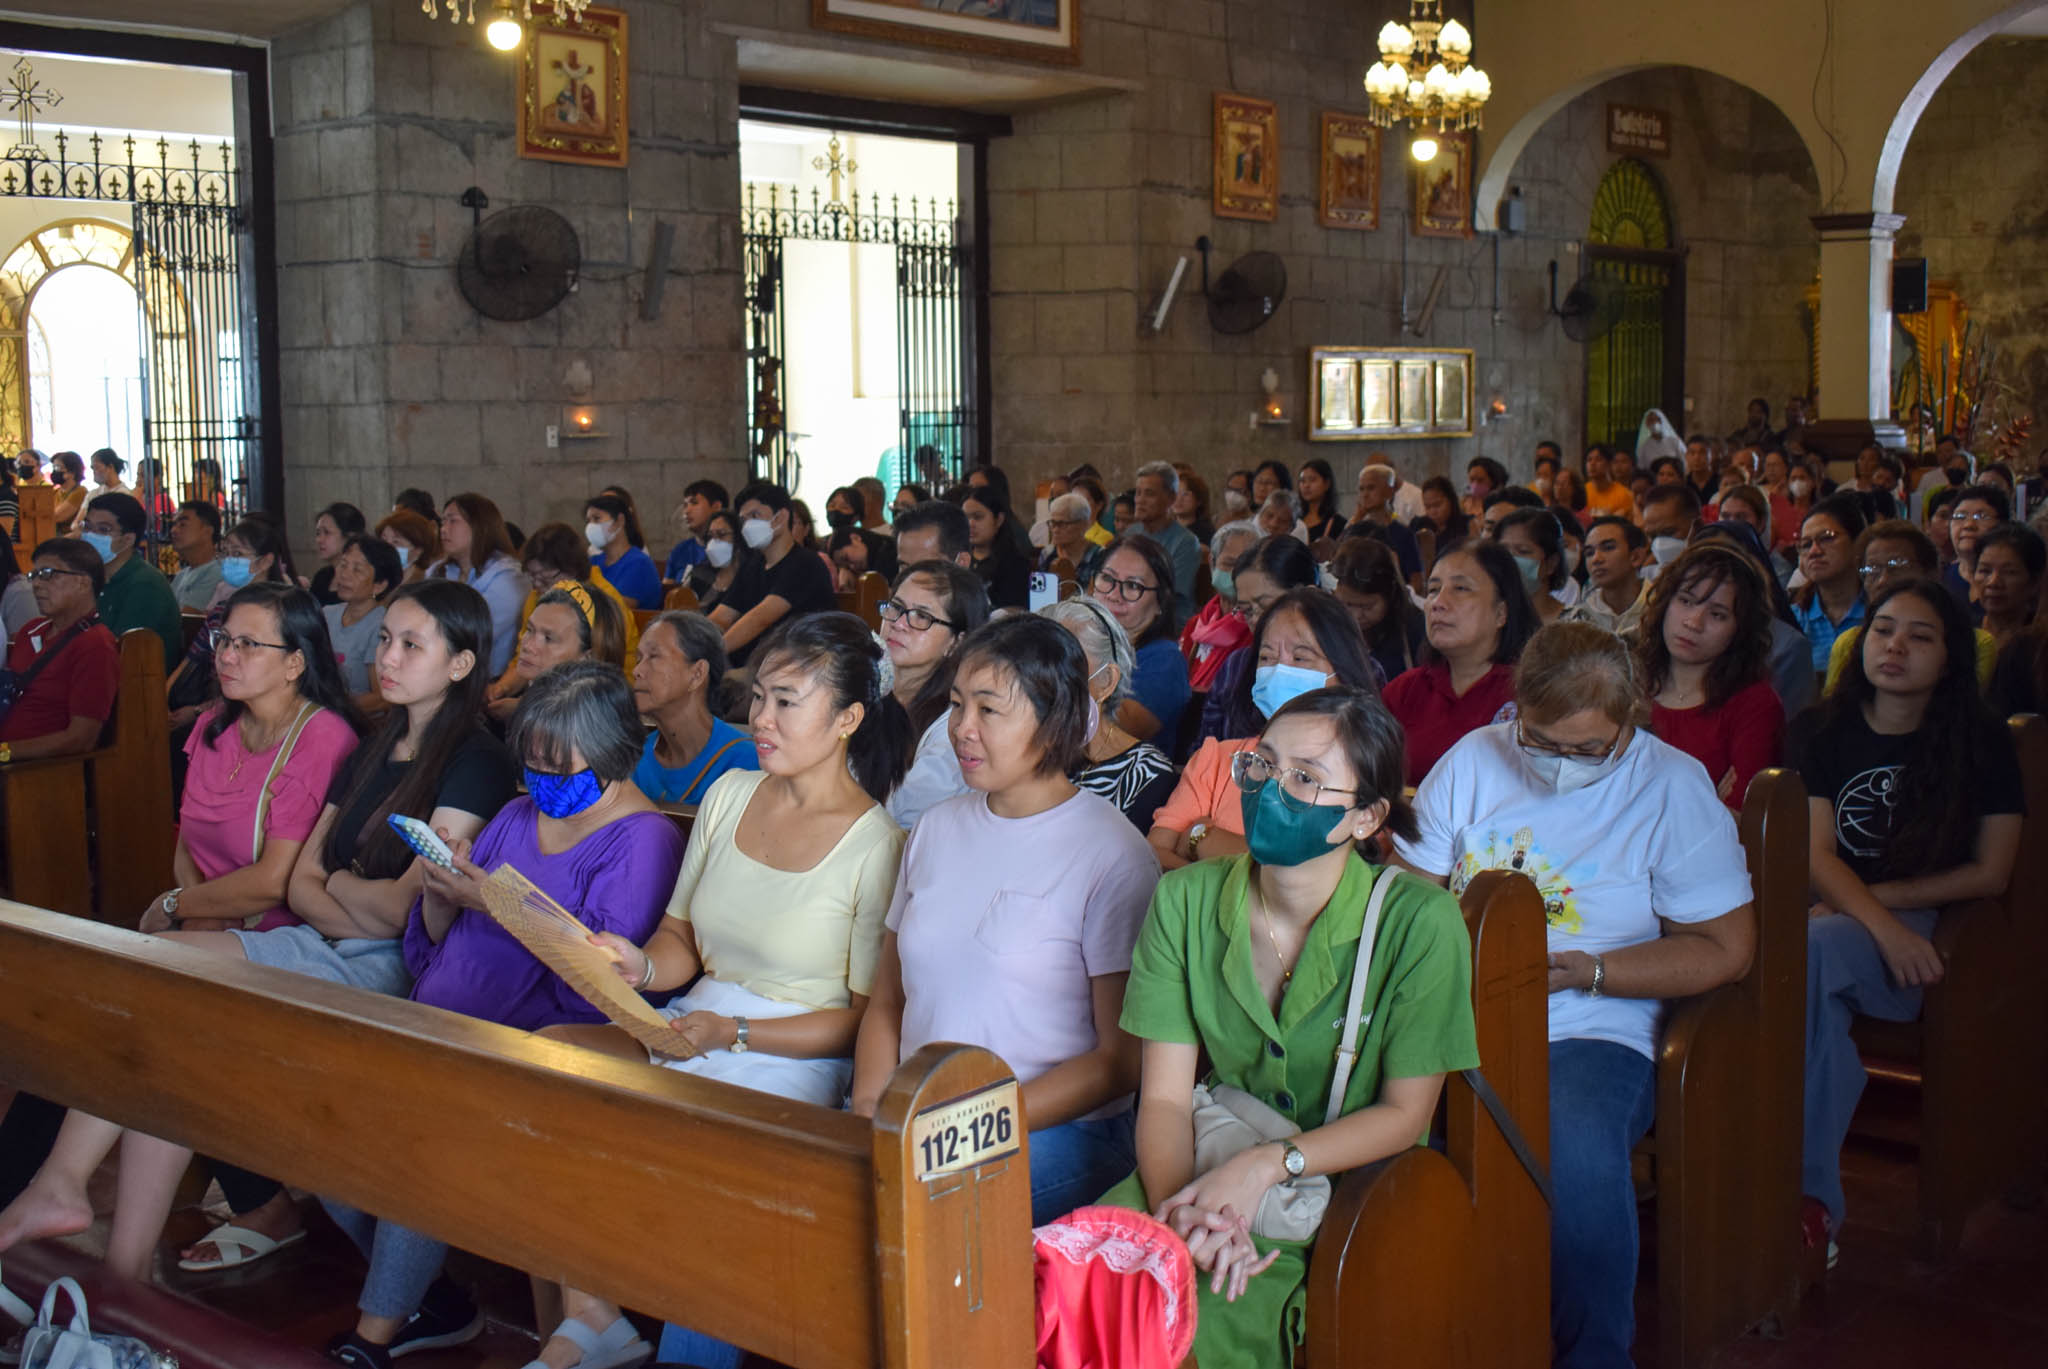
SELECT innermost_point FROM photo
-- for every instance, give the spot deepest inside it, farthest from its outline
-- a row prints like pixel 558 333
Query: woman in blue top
pixel 1135 584
pixel 680 675
pixel 618 549
pixel 478 551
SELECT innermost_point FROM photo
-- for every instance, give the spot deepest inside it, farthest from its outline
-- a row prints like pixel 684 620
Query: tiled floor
pixel 1882 1308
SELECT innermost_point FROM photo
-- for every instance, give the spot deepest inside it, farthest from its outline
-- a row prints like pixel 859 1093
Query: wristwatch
pixel 171 904
pixel 1195 835
pixel 739 1040
pixel 1293 1159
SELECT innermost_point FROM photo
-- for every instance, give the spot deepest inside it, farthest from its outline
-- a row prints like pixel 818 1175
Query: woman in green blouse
pixel 1248 959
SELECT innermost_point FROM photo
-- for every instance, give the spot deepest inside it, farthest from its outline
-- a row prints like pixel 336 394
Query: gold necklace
pixel 1286 970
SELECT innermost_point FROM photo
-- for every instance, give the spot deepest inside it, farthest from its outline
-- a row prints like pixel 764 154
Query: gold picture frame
pixel 1246 180
pixel 1374 393
pixel 1349 191
pixel 1443 189
pixel 1048 35
pixel 572 90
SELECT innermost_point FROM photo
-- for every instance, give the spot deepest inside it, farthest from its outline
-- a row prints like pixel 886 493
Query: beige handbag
pixel 1228 1120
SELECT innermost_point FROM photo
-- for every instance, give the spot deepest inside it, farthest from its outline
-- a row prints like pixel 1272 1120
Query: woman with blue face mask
pixel 1306 640
pixel 1533 538
pixel 1248 962
pixel 1647 897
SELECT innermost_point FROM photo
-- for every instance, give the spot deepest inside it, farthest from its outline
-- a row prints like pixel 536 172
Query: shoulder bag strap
pixel 284 754
pixel 62 640
pixel 705 768
pixel 1354 1025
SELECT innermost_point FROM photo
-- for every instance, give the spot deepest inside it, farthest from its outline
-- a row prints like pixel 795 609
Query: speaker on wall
pixel 1909 285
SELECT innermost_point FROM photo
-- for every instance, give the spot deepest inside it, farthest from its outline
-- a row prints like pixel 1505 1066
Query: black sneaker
pixel 447 1316
pixel 352 1350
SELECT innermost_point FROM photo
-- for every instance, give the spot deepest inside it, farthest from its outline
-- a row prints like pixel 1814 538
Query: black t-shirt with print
pixel 481 778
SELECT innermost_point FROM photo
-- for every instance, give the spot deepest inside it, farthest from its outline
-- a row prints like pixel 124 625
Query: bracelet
pixel 646 975
pixel 1599 977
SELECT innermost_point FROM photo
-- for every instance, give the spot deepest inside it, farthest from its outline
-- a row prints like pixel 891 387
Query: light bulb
pixel 504 31
pixel 1423 149
pixel 1455 38
pixel 1478 86
pixel 1439 84
pixel 1396 40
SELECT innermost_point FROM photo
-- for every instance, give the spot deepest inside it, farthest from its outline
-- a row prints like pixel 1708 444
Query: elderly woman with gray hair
pixel 1067 520
pixel 1135 776
pixel 1280 516
pixel 677 679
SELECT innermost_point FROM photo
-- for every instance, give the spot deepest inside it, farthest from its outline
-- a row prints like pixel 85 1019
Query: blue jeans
pixel 1072 1165
pixel 1603 1098
pixel 403 1263
pixel 1077 1162
pixel 1845 975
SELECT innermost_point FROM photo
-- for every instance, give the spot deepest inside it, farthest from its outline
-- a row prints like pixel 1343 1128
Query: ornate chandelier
pixel 460 10
pixel 1425 76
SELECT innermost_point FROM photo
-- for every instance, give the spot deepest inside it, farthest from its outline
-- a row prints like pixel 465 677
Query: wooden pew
pixel 819 1210
pixel 869 593
pixel 1724 1153
pixel 193 622
pixel 108 808
pixel 1978 1054
pixel 681 597
pixel 1442 1258
pixel 38 522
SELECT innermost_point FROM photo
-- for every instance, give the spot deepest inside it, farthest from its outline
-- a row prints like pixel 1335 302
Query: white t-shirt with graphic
pixel 1648 840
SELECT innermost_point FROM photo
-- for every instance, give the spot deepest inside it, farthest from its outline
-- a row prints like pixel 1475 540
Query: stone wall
pixel 1970 188
pixel 390 378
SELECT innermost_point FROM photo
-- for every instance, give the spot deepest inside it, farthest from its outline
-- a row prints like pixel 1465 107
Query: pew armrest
pixel 1384 1279
pixel 45 764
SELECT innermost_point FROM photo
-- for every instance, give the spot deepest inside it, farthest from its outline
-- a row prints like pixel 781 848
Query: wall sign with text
pixel 1638 128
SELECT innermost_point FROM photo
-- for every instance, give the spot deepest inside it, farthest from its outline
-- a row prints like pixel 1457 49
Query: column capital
pixel 1867 225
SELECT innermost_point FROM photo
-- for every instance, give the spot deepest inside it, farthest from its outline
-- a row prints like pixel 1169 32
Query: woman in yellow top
pixel 554 552
pixel 776 923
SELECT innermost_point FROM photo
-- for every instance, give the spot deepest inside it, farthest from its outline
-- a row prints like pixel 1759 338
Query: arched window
pixel 1638 363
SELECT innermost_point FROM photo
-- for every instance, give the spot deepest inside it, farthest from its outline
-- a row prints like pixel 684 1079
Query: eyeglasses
pixel 1250 771
pixel 1885 567
pixel 1251 610
pixel 920 619
pixel 1819 539
pixel 1539 746
pixel 52 572
pixel 1130 591
pixel 241 646
pixel 1980 516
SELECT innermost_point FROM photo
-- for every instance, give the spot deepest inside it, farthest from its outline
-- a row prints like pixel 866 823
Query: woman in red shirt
pixel 1705 664
pixel 1478 619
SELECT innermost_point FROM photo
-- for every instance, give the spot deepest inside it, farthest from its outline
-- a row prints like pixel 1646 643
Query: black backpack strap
pixel 1509 1132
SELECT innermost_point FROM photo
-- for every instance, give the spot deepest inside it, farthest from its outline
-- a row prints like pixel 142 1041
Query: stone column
pixel 1855 327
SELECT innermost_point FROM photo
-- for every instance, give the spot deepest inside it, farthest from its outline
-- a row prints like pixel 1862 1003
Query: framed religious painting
pixel 1369 393
pixel 1443 189
pixel 1247 174
pixel 572 89
pixel 1349 196
pixel 1040 30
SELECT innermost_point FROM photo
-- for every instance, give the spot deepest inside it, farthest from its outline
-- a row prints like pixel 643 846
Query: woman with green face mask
pixel 1249 961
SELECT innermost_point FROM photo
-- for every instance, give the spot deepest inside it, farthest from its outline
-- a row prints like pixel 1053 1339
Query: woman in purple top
pixel 589 838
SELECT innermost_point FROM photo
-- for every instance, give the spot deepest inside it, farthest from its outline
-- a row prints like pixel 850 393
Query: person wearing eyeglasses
pixel 1831 599
pixel 1307 640
pixel 1136 585
pixel 1067 521
pixel 1248 962
pixel 1890 553
pixel 1272 567
pixel 934 606
pixel 1647 898
pixel 1977 510
pixel 65 662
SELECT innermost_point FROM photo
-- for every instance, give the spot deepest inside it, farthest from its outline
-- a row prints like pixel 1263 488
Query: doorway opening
pixel 1639 364
pixel 865 292
pixel 84 374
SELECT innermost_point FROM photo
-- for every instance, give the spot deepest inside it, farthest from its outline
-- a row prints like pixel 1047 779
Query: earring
pixel 845 736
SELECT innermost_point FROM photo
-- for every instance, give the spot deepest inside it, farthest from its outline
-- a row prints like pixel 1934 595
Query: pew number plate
pixel 966 1132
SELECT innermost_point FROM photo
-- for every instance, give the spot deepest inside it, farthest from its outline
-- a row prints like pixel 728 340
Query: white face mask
pixel 1566 774
pixel 757 532
pixel 719 553
pixel 1799 488
pixel 599 535
pixel 1571 559
pixel 1665 550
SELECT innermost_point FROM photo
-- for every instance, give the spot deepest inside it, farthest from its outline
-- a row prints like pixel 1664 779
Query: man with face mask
pixel 136 593
pixel 1670 513
pixel 1647 897
pixel 793 581
pixel 1953 469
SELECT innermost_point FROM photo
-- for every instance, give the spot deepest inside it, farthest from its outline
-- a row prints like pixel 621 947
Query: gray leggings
pixel 403 1263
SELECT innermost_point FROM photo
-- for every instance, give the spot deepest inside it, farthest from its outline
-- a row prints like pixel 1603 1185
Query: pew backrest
pixel 699 1202
pixel 134 818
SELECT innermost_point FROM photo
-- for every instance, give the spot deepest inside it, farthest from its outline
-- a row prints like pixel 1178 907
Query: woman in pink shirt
pixel 1014 915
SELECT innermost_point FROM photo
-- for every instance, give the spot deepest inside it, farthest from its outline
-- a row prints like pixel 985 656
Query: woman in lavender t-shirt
pixel 1015 913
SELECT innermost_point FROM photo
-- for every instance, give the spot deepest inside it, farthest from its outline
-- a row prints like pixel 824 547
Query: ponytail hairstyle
pixel 620 507
pixel 464 622
pixel 839 651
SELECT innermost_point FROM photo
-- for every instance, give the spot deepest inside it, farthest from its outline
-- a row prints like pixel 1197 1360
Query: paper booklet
pixel 563 944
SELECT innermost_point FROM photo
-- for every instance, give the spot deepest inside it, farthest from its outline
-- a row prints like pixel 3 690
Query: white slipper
pixel 237 1246
pixel 618 1346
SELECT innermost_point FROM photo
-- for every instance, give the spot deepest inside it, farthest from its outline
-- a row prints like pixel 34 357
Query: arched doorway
pixel 85 373
pixel 1639 363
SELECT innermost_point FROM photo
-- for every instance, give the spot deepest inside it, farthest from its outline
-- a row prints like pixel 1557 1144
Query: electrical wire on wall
pixel 1826 67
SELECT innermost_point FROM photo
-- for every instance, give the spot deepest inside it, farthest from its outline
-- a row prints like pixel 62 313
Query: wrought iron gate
pixel 1639 363
pixel 189 260
pixel 938 435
